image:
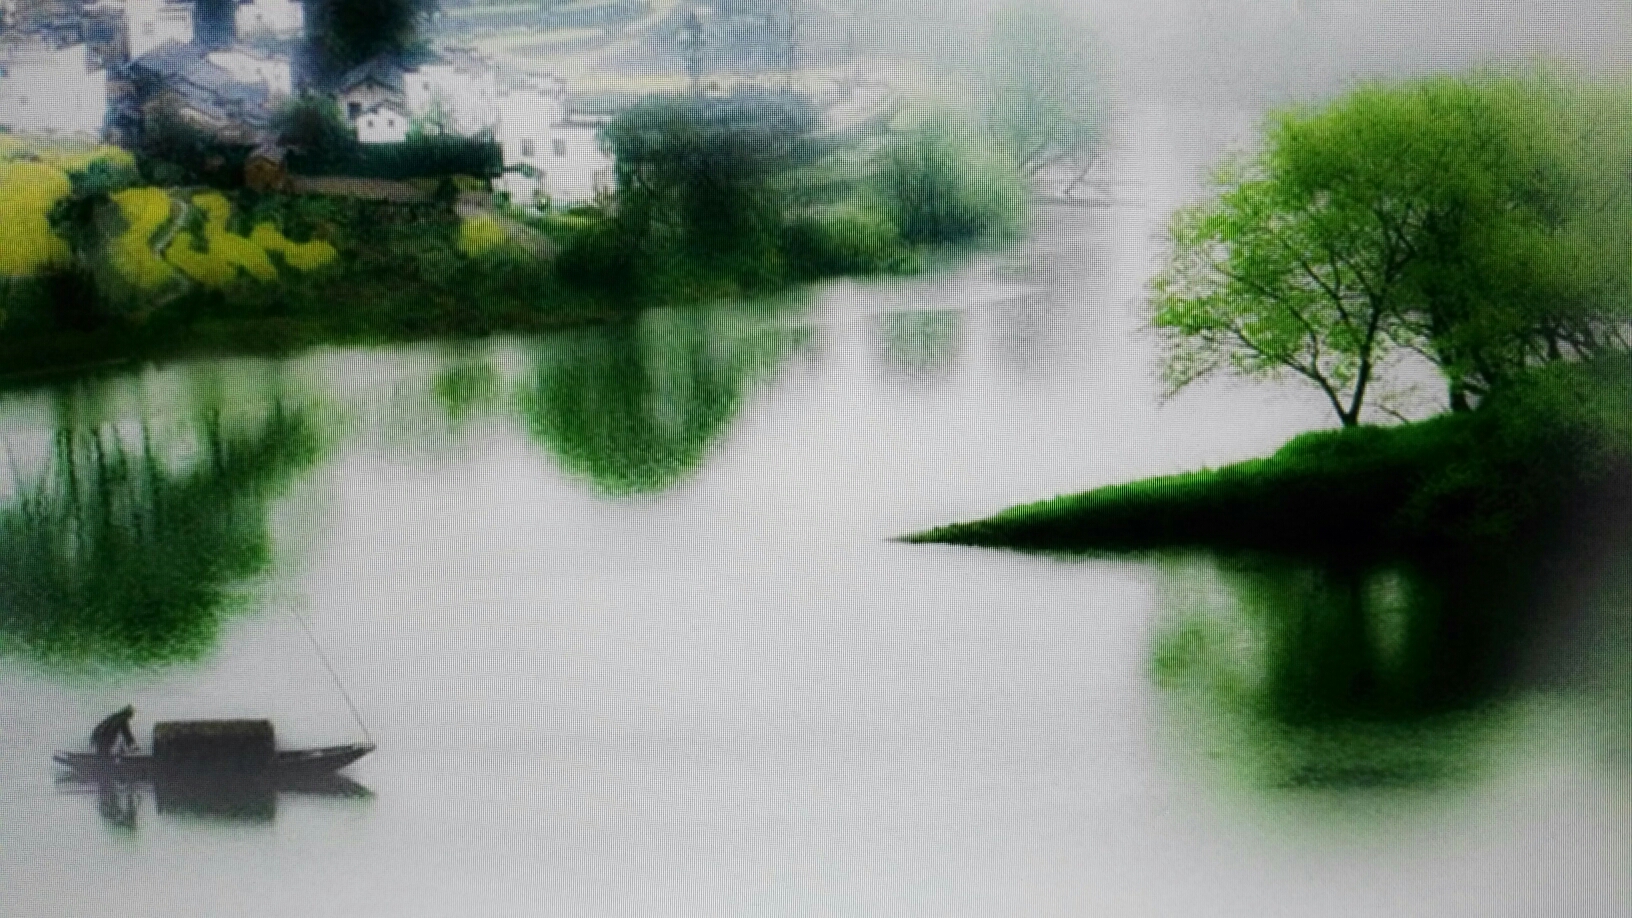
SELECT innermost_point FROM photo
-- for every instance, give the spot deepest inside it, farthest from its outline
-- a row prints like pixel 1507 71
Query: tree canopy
pixel 1481 221
pixel 697 174
pixel 347 32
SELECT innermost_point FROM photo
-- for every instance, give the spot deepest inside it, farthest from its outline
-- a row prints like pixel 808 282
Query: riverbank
pixel 1545 462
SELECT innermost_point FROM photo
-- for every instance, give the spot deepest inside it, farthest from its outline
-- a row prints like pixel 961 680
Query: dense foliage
pixel 417 157
pixel 347 32
pixel 738 193
pixel 1480 221
pixel 696 183
pixel 315 126
pixel 942 185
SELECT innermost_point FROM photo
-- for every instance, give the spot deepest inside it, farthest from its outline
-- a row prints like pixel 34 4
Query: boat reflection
pixel 218 796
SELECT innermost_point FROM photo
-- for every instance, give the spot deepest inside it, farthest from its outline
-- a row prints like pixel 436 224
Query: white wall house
pixel 151 23
pixel 271 18
pixel 382 124
pixel 547 154
pixel 466 96
pixel 253 67
pixel 44 89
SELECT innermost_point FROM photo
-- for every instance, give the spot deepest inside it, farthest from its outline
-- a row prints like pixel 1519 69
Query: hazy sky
pixel 1287 48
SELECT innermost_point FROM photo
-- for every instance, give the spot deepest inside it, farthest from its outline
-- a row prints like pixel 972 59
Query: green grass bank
pixel 1545 463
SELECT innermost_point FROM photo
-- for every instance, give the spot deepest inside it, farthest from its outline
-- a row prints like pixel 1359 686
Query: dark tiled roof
pixel 386 70
pixel 206 87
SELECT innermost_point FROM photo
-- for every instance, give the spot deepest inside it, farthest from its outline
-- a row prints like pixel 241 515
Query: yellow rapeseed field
pixel 302 256
pixel 225 253
pixel 145 210
pixel 72 160
pixel 28 191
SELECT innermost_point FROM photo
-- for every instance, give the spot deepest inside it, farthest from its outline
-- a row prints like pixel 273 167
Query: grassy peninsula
pixel 1546 461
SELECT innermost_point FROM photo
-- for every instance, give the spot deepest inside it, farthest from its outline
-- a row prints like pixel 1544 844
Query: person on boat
pixel 113 734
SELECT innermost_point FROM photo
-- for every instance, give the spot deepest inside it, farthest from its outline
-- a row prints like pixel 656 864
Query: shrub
pixel 943 185
pixel 416 158
pixel 479 235
pixel 844 240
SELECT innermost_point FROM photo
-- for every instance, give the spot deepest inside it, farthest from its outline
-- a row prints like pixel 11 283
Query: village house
pixel 253 66
pixel 547 153
pixel 50 88
pixel 278 19
pixel 383 123
pixel 230 95
pixel 454 93
pixel 151 24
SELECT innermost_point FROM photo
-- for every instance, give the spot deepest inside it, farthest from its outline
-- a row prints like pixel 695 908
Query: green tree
pixel 1042 89
pixel 345 33
pixel 1481 221
pixel 942 185
pixel 696 178
pixel 314 125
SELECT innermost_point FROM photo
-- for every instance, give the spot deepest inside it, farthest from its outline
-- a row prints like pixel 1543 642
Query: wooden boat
pixel 225 749
pixel 285 763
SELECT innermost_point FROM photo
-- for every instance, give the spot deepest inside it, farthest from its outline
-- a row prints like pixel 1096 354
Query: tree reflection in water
pixel 922 346
pixel 469 387
pixel 635 407
pixel 1302 674
pixel 123 548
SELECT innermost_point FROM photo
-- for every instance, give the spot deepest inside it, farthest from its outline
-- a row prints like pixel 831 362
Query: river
pixel 621 608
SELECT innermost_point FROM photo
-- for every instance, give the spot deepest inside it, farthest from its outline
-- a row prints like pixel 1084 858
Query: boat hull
pixel 287 763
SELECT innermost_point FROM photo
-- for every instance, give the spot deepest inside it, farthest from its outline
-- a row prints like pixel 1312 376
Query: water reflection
pixel 118 804
pixel 921 346
pixel 634 407
pixel 467 388
pixel 121 549
pixel 1302 674
pixel 216 798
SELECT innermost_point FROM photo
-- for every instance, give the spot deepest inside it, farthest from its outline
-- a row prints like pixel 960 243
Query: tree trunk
pixel 1459 396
